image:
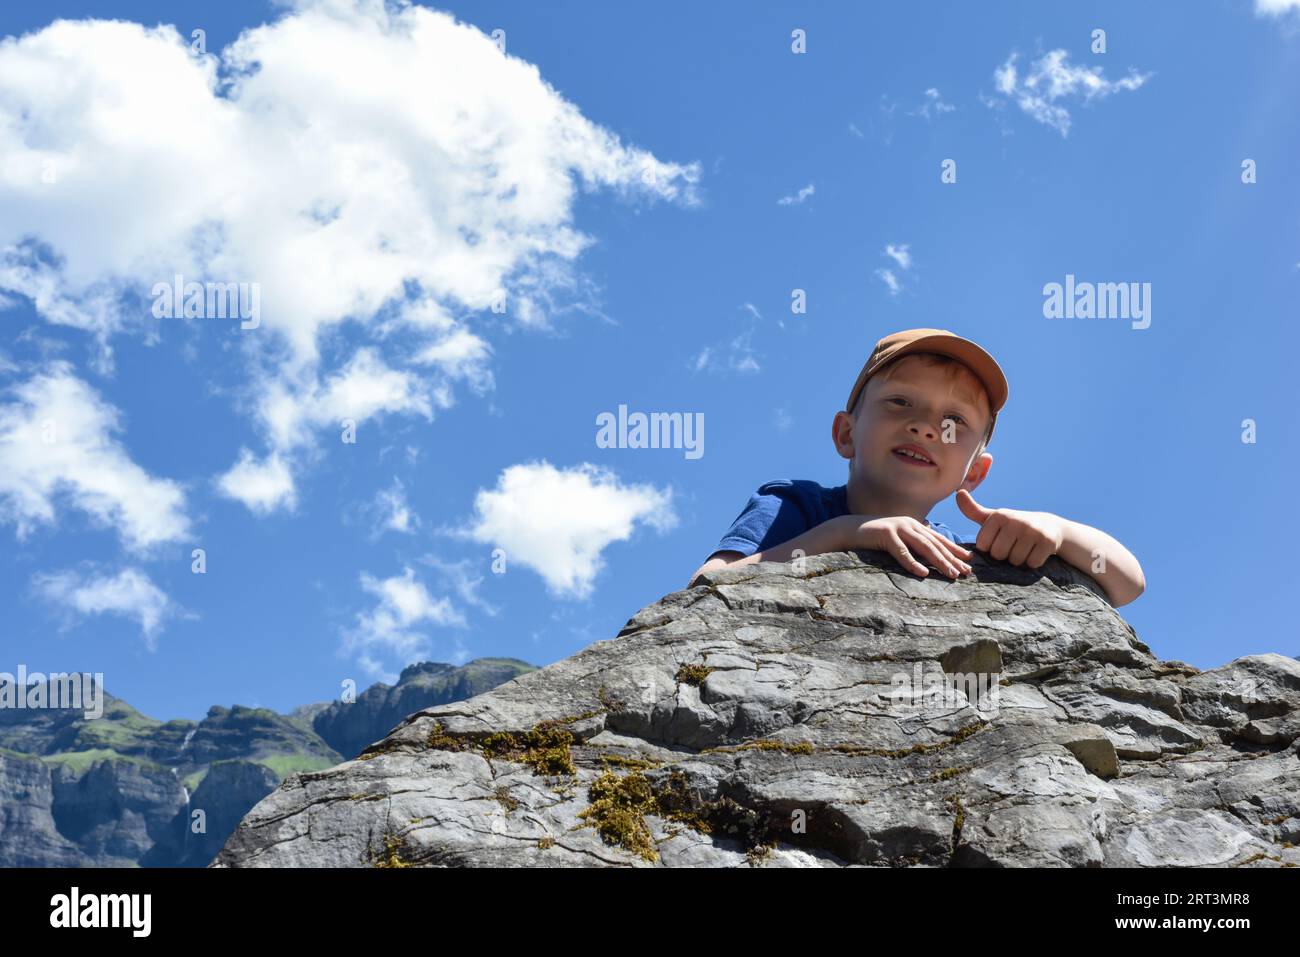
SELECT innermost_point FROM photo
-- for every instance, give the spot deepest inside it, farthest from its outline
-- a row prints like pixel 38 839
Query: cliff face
pixel 843 713
pixel 348 728
pixel 122 790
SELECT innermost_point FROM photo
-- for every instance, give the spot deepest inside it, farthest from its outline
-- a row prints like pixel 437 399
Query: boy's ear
pixel 842 434
pixel 978 472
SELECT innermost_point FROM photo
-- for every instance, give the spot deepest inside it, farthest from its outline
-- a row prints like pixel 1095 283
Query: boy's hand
pixel 1008 534
pixel 904 537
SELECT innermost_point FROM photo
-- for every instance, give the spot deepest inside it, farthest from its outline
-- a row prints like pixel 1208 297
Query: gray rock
pixel 778 716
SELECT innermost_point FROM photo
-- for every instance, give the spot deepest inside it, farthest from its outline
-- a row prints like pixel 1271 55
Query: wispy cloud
pixel 795 200
pixel 130 593
pixel 397 623
pixel 1051 81
pixel 932 105
pixel 59 448
pixel 1276 8
pixel 900 255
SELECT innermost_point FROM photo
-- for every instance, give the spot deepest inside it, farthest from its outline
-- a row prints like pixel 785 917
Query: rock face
pixel 127 790
pixel 348 728
pixel 829 715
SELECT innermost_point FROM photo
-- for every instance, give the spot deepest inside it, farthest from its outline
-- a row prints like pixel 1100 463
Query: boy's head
pixel 933 391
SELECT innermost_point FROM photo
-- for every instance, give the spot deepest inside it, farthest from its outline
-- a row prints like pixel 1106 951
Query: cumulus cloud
pixel 130 593
pixel 433 178
pixel 1051 79
pixel 558 521
pixel 263 485
pixel 396 624
pixel 58 449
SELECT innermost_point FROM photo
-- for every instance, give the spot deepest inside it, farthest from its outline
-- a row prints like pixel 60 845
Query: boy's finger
pixel 905 558
pixel 928 544
pixel 959 550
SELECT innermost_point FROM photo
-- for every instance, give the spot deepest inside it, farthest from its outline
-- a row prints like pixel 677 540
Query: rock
pixel 349 727
pixel 840 714
pixel 115 791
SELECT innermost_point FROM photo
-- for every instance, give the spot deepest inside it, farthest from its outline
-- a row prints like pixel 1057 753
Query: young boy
pixel 919 420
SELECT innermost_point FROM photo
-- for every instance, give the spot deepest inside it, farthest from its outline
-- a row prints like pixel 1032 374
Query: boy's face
pixel 910 408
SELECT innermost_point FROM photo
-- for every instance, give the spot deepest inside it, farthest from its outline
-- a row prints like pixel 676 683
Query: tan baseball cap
pixel 945 343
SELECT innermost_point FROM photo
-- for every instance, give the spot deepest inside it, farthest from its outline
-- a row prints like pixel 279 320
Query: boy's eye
pixel 951 415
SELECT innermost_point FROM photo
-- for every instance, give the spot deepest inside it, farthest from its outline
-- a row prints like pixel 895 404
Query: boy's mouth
pixel 913 455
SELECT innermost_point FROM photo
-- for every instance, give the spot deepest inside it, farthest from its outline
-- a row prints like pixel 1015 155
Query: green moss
pixel 618 809
pixel 635 764
pixel 544 843
pixel 959 821
pixel 391 856
pixel 798 747
pixel 947 773
pixel 693 674
pixel 502 794
pixel 545 747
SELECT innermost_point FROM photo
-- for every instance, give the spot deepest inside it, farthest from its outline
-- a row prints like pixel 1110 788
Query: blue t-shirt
pixel 780 510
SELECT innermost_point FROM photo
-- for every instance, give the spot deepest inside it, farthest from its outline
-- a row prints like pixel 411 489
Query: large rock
pixel 777 715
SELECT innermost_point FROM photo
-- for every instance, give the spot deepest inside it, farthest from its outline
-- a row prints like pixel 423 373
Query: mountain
pixel 125 790
pixel 845 713
pixel 350 727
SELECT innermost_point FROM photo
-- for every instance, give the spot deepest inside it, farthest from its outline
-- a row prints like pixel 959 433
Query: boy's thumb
pixel 971 508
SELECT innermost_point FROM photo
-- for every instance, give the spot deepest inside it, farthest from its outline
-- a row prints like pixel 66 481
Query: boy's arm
pixel 1122 579
pixel 1010 534
pixel 826 537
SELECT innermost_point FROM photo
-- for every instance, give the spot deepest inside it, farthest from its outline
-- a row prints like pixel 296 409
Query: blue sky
pixel 348 172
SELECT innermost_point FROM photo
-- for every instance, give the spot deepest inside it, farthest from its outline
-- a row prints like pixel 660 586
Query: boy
pixel 919 419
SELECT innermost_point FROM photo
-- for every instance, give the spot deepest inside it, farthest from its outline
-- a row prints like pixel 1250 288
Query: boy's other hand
pixel 1008 534
pixel 906 538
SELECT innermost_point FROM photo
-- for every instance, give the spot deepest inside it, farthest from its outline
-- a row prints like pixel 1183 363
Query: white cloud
pixel 466 585
pixel 363 389
pixel 1275 8
pixel 1051 79
pixel 431 178
pixel 899 254
pixel 394 625
pixel 57 446
pixel 795 200
pixel 735 355
pixel 263 486
pixel 393 512
pixel 933 104
pixel 558 521
pixel 129 593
